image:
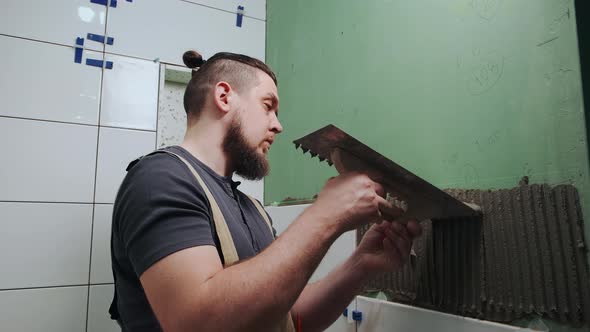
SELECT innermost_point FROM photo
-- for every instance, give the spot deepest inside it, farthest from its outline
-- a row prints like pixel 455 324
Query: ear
pixel 222 94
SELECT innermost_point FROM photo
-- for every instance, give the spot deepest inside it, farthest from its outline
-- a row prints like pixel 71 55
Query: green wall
pixel 464 93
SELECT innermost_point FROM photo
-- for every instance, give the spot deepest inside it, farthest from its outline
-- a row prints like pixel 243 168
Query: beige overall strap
pixel 287 324
pixel 228 248
pixel 262 212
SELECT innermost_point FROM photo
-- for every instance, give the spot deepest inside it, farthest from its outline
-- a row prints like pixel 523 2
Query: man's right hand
pixel 351 200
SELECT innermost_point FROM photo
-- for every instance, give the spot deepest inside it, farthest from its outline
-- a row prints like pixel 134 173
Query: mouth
pixel 266 145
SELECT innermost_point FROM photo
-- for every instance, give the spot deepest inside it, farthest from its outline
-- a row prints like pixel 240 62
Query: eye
pixel 268 106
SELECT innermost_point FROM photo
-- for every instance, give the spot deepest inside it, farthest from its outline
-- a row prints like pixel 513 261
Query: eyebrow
pixel 274 99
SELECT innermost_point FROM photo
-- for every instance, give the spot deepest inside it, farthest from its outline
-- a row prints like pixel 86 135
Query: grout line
pixel 96 172
pixel 55 286
pixel 47 120
pixel 133 129
pixel 161 68
pixel 223 10
pixel 101 284
pixel 74 123
pixel 48 202
pixel 52 43
pixel 41 287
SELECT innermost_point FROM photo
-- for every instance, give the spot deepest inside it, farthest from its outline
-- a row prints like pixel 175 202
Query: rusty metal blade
pixel 425 201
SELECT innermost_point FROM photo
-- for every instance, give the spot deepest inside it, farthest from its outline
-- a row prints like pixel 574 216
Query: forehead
pixel 265 84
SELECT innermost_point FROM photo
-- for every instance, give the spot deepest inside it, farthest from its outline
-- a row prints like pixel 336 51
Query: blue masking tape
pixel 100 2
pixel 99 63
pixel 357 315
pixel 96 38
pixel 240 16
pixel 100 38
pixel 94 63
pixel 78 51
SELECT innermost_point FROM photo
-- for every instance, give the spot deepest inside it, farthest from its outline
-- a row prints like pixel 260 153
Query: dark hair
pixel 237 69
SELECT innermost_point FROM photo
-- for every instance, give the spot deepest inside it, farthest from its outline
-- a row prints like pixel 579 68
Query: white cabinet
pixel 252 8
pixel 58 21
pixel 382 316
pixel 42 81
pixel 130 93
pixel 165 29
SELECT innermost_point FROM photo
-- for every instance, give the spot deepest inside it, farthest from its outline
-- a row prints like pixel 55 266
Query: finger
pixel 395 253
pixel 401 230
pixel 391 248
pixel 414 228
pixel 382 227
pixel 379 189
pixel 383 203
pixel 390 212
pixel 400 241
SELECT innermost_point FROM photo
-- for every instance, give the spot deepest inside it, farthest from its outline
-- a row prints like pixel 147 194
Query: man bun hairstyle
pixel 192 59
pixel 236 69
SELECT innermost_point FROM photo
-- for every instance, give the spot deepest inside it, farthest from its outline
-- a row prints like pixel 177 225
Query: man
pixel 169 258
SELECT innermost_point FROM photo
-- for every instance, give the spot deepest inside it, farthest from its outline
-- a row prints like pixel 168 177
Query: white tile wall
pixel 117 148
pixel 181 26
pixel 45 161
pixel 44 310
pixel 381 316
pixel 130 93
pixel 60 165
pixel 33 68
pixel 99 319
pixel 33 254
pixel 58 21
pixel 100 270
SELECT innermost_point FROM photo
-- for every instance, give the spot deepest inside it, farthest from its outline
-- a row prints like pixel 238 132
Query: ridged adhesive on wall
pixel 526 255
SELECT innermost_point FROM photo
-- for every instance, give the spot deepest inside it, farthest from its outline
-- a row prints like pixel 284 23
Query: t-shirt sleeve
pixel 161 209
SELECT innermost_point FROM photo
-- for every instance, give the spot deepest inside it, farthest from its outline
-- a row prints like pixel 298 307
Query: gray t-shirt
pixel 160 209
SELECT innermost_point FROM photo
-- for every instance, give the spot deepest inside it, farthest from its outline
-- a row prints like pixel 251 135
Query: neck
pixel 204 140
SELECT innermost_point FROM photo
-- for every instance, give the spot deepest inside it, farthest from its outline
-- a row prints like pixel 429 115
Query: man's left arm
pixel 384 248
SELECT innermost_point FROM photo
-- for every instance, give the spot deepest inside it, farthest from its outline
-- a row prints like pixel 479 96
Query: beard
pixel 247 162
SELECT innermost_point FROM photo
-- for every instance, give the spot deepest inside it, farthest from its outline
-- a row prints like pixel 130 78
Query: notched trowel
pixel 416 197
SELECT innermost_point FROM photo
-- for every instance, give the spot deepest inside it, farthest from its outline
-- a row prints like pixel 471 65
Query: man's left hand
pixel 385 247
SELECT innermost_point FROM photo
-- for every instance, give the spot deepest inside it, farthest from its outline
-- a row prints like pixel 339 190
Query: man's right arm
pixel 190 290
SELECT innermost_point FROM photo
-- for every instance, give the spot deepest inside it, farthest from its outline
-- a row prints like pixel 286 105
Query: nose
pixel 276 124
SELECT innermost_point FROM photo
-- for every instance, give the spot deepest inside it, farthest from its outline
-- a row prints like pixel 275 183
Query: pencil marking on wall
pixel 486 9
pixel 547 41
pixel 485 72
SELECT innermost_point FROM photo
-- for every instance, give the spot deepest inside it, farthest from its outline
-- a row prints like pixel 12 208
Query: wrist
pixel 330 227
pixel 358 267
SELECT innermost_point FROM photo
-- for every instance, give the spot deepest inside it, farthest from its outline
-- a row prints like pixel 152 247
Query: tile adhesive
pixel 525 255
